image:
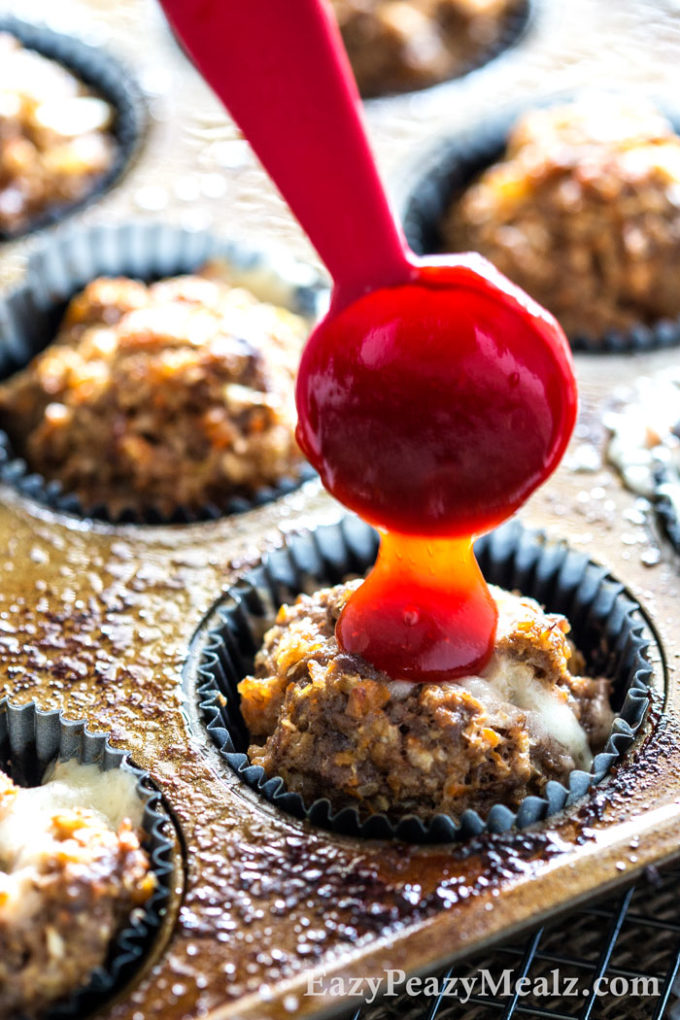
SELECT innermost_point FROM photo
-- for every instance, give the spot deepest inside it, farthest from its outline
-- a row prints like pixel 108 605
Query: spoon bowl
pixel 459 386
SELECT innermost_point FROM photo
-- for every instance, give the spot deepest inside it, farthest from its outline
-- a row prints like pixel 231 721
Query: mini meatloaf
pixel 174 394
pixel 332 726
pixel 583 212
pixel 71 872
pixel 55 136
pixel 396 45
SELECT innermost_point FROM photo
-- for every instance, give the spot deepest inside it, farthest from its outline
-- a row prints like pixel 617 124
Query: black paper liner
pixel 107 76
pixel 453 163
pixel 31 313
pixel 607 627
pixel 666 504
pixel 30 740
pixel 515 26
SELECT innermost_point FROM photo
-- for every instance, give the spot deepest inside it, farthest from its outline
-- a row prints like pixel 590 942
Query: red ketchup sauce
pixel 433 409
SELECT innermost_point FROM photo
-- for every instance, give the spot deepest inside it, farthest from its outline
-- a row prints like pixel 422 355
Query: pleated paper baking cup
pixel 666 504
pixel 515 25
pixel 607 627
pixel 30 741
pixel 30 317
pixel 440 176
pixel 107 77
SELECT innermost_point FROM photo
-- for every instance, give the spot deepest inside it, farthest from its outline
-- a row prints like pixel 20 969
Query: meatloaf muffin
pixel 71 872
pixel 332 726
pixel 396 45
pixel 55 137
pixel 174 394
pixel 583 212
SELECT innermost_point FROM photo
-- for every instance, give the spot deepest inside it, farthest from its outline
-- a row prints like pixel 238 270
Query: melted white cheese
pixel 508 685
pixel 547 712
pixel 400 689
pixel 24 827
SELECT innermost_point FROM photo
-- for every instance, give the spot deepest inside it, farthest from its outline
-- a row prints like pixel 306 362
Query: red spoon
pixel 435 396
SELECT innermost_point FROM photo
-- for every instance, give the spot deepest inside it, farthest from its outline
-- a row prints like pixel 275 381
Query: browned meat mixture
pixel 176 394
pixel 68 883
pixel 583 212
pixel 331 725
pixel 55 137
pixel 396 45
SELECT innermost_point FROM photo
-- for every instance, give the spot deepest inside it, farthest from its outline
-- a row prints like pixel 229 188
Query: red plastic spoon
pixel 435 396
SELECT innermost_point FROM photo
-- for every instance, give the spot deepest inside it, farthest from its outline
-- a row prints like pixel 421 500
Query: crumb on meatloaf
pixel 396 45
pixel 55 135
pixel 175 394
pixel 583 212
pixel 71 872
pixel 333 726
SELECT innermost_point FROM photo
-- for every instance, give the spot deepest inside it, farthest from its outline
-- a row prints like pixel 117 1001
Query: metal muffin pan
pixel 98 620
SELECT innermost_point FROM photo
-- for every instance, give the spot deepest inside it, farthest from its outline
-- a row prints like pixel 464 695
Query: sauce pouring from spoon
pixel 434 396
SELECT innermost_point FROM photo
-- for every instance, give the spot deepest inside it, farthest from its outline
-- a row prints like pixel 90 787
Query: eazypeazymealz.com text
pixel 479 985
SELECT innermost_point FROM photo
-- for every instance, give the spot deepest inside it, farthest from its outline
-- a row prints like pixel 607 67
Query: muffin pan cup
pixel 517 23
pixel 31 740
pixel 111 80
pixel 252 881
pixel 430 187
pixel 30 316
pixel 606 627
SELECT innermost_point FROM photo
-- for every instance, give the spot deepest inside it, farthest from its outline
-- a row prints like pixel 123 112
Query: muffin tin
pixel 102 620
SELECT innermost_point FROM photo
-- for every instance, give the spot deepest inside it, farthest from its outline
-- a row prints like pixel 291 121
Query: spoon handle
pixel 282 72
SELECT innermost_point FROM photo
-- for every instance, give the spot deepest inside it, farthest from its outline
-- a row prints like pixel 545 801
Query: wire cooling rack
pixel 626 947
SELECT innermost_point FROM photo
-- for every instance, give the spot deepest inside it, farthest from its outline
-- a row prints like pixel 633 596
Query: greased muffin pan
pixel 104 622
